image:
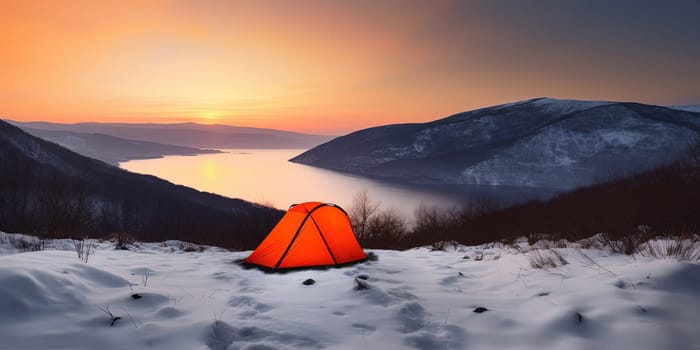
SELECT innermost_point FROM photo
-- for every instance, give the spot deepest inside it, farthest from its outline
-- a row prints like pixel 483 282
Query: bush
pixel 436 224
pixel 673 247
pixel 190 248
pixel 628 245
pixel 443 245
pixel 385 230
pixel 376 229
pixel 543 259
pixel 27 243
pixel 122 239
pixel 361 212
pixel 84 248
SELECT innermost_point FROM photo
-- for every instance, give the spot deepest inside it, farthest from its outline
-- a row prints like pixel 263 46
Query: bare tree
pixel 385 230
pixel 361 212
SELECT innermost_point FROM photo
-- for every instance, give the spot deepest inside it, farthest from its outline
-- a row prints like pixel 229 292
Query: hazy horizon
pixel 333 67
pixel 215 123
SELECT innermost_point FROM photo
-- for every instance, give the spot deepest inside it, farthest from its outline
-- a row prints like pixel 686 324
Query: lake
pixel 266 176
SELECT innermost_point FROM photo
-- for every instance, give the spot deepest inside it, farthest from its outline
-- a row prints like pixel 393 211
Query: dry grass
pixel 546 259
pixel 27 243
pixel 122 239
pixel 84 248
pixel 677 248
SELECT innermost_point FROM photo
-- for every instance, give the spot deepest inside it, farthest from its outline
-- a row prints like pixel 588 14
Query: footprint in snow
pixel 247 306
pixel 224 336
pixel 424 334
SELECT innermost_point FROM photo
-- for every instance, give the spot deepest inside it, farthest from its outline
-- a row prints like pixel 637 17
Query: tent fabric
pixel 308 235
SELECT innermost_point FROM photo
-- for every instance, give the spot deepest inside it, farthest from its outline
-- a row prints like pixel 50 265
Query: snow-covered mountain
pixel 689 108
pixel 540 142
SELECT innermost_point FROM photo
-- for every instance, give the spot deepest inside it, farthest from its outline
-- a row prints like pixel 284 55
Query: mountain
pixel 110 149
pixel 689 108
pixel 191 134
pixel 47 189
pixel 541 142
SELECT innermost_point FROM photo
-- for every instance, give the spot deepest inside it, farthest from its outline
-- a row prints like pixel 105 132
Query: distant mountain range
pixel 190 134
pixel 112 149
pixel 541 142
pixel 45 188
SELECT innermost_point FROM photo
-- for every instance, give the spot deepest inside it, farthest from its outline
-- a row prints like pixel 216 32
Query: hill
pixel 49 190
pixel 110 149
pixel 191 134
pixel 689 108
pixel 541 142
pixel 657 202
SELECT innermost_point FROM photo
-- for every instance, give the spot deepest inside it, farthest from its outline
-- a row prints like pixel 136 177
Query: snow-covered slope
pixel 167 298
pixel 540 142
pixel 689 108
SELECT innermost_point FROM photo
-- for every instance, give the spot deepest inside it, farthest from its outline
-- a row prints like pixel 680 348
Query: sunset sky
pixel 335 66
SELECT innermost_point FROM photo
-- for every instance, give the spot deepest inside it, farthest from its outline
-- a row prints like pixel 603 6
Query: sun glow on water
pixel 210 171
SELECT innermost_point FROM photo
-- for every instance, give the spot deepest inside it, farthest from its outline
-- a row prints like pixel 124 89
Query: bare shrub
pixel 543 259
pixel 122 239
pixel 84 248
pixel 534 237
pixel 673 247
pixel 27 243
pixel 444 245
pixel 597 241
pixel 562 243
pixel 628 245
pixel 436 224
pixel 190 248
pixel 361 212
pixel 385 229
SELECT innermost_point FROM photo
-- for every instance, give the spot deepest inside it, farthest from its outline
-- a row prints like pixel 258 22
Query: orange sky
pixel 327 66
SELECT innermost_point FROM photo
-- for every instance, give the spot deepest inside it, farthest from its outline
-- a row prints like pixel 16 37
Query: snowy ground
pixel 416 299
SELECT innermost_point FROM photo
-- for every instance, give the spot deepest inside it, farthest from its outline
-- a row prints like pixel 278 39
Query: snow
pixel 416 299
pixel 567 106
pixel 562 106
pixel 689 108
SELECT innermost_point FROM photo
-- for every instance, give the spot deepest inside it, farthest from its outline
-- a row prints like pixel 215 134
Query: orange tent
pixel 309 234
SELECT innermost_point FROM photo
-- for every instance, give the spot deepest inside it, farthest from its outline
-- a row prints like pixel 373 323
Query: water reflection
pixel 265 176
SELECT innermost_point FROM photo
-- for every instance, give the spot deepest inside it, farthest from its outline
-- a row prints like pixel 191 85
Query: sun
pixel 209 116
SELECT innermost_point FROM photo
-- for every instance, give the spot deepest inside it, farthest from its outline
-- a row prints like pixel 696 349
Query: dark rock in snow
pixel 480 310
pixel 308 282
pixel 136 296
pixel 360 284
